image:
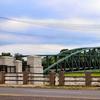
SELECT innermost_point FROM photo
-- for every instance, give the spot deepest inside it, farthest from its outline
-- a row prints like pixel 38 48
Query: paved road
pixel 57 93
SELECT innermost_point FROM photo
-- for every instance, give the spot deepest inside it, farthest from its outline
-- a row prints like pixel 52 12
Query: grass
pixel 95 74
pixel 82 73
pixel 75 74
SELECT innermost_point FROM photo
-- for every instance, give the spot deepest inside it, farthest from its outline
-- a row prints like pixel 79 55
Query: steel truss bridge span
pixel 73 60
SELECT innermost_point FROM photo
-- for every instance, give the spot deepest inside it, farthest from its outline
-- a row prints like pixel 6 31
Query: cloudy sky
pixel 47 26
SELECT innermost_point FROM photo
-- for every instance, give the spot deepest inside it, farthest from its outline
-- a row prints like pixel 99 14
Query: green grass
pixel 95 74
pixel 82 73
pixel 75 74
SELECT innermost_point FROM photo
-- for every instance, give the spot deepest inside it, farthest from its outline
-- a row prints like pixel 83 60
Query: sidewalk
pixel 51 87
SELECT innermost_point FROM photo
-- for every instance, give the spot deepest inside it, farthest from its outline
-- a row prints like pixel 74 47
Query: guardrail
pixel 24 78
pixel 87 80
pixel 51 79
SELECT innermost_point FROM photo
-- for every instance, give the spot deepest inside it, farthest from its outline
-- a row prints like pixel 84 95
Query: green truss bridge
pixel 73 60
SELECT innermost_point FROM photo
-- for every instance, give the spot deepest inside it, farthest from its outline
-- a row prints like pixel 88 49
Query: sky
pixel 47 26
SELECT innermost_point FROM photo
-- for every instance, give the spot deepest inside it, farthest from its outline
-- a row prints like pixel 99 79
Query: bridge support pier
pixel 36 68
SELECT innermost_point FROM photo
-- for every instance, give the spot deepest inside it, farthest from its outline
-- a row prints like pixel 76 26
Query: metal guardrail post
pixel 52 78
pixel 2 77
pixel 88 78
pixel 25 77
pixel 61 78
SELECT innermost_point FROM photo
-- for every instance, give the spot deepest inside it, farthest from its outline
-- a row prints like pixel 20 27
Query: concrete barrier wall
pixel 10 78
pixel 6 60
pixel 80 81
pixel 14 78
pixel 74 81
pixel 40 79
pixel 95 81
pixel 34 79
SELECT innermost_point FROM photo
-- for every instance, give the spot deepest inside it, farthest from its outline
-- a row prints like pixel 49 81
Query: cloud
pixel 70 8
pixel 92 6
pixel 81 27
pixel 16 38
pixel 52 22
pixel 57 5
pixel 62 8
pixel 32 49
pixel 5 36
pixel 26 23
pixel 13 25
pixel 29 49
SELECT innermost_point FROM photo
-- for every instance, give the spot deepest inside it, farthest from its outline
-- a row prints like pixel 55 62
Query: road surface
pixel 44 94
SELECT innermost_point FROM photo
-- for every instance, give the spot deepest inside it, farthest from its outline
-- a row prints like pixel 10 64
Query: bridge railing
pixel 88 79
pixel 52 79
pixel 24 78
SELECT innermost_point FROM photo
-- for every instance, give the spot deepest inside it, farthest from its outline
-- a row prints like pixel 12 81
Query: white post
pixel 18 65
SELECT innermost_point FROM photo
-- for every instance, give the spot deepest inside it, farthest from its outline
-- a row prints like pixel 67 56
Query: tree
pixel 64 50
pixel 6 54
pixel 18 56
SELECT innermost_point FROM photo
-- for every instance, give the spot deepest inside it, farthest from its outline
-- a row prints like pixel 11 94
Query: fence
pixel 24 78
pixel 52 79
pixel 87 80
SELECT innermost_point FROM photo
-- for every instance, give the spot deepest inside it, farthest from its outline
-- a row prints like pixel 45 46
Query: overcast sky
pixel 47 26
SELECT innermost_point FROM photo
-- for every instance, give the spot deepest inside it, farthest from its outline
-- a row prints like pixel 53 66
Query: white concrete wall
pixel 96 83
pixel 37 79
pixel 36 64
pixel 36 70
pixel 76 81
pixel 20 78
pixel 81 81
pixel 18 65
pixel 34 61
pixel 1 61
pixel 6 60
pixel 36 67
pixel 9 61
pixel 46 82
pixel 12 78
pixel 9 79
